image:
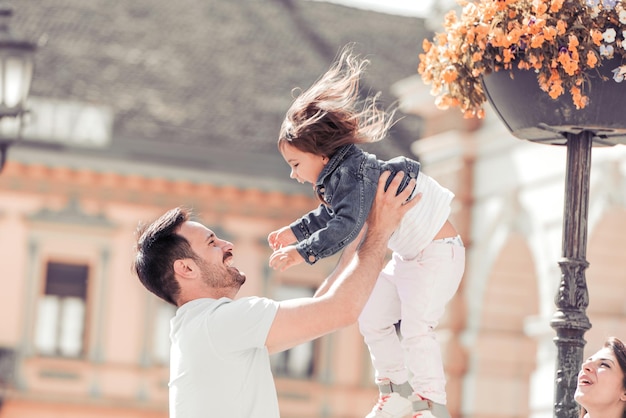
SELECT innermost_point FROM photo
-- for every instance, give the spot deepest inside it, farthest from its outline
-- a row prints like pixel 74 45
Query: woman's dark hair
pixel 158 246
pixel 619 350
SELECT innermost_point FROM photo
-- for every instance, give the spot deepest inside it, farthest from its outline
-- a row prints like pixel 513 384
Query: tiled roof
pixel 203 75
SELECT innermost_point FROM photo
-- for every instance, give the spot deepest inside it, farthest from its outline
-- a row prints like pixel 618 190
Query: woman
pixel 601 389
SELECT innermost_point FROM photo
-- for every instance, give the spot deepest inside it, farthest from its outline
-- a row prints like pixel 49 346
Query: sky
pixel 398 7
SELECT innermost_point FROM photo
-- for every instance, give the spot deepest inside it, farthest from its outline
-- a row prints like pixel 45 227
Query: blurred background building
pixel 137 107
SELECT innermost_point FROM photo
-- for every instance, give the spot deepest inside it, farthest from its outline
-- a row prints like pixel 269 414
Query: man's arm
pixel 344 260
pixel 301 320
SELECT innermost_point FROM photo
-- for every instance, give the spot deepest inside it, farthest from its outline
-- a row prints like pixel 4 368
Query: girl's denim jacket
pixel 348 185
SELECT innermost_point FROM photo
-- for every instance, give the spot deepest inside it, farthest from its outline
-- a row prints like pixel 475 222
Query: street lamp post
pixel 559 122
pixel 16 73
pixel 570 320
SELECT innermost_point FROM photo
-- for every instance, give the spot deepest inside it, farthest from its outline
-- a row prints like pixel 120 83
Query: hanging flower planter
pixel 529 113
pixel 548 67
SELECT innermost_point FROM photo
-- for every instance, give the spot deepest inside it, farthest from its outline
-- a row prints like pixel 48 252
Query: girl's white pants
pixel 414 292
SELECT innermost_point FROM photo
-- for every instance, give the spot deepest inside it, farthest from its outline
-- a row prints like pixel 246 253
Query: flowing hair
pixel 330 113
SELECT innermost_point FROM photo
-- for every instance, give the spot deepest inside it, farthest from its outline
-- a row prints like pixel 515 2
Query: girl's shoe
pixel 425 408
pixel 393 401
pixel 391 405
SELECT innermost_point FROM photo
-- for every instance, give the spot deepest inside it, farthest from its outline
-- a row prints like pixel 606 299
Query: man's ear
pixel 185 268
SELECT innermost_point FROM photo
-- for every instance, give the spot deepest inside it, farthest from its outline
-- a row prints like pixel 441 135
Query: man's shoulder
pixel 213 304
pixel 245 310
pixel 251 303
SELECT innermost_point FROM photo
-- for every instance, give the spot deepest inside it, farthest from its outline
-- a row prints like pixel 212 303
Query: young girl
pixel 317 140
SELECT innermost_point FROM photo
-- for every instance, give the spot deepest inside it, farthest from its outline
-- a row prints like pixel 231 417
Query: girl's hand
pixel 285 257
pixel 281 238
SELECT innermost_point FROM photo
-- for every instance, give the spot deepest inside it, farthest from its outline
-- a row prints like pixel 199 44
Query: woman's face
pixel 600 382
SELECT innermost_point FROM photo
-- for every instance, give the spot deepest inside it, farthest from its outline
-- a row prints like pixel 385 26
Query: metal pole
pixel 570 320
pixel 3 153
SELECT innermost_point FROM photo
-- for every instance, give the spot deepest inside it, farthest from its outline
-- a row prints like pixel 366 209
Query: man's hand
pixel 388 209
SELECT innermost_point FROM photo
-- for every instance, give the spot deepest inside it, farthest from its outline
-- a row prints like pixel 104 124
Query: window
pixel 298 361
pixel 61 311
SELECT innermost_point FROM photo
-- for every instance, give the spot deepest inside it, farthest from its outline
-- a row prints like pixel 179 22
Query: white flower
pixel 606 50
pixel 622 17
pixel 619 73
pixel 609 35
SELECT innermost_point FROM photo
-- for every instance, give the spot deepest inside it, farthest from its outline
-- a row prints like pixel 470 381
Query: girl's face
pixel 305 167
pixel 600 383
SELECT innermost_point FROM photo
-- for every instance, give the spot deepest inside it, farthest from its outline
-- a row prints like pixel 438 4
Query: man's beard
pixel 220 276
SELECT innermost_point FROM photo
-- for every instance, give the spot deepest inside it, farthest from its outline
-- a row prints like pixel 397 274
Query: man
pixel 220 349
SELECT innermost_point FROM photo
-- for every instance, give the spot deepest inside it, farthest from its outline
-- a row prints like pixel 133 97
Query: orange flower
pixel 556 89
pixel 444 102
pixel 449 74
pixel 426 45
pixel 543 82
pixel 549 32
pixel 580 101
pixel 536 41
pixel 508 55
pixel 569 65
pixel 592 59
pixel 501 5
pixel 556 5
pixel 555 85
pixel 514 36
pixel 596 37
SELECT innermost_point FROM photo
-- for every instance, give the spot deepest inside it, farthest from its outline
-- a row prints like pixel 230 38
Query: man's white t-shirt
pixel 219 365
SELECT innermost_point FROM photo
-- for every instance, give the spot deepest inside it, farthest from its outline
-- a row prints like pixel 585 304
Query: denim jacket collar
pixel 333 163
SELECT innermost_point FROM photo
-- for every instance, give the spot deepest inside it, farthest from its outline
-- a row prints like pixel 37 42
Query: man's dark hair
pixel 158 246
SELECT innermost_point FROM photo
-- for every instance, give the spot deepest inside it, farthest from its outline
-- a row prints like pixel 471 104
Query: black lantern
pixel 16 73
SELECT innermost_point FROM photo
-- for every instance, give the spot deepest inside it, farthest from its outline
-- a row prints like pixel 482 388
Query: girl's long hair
pixel 330 113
